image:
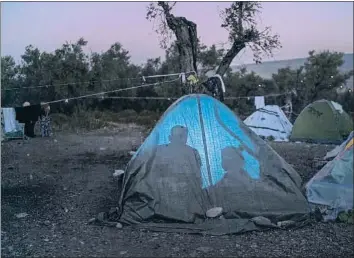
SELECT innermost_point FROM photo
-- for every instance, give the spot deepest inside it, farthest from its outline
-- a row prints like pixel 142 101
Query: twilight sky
pixel 302 26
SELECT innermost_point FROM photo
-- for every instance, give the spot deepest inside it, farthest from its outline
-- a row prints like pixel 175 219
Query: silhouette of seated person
pixel 177 171
pixel 177 156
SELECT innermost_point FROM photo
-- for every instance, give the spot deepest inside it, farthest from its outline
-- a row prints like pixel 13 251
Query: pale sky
pixel 302 26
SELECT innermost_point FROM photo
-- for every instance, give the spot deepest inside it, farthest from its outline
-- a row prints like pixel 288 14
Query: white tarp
pixel 270 121
pixel 332 186
pixel 331 154
pixel 337 107
pixel 259 102
pixel 10 123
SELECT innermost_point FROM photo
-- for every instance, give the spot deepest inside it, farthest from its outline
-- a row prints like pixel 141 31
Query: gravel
pixel 62 185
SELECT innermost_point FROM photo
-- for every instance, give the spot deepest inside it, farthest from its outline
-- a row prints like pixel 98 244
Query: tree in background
pixel 74 73
pixel 319 78
pixel 239 19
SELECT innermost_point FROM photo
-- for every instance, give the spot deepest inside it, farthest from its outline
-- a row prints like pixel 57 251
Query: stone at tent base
pixel 285 223
pixel 118 173
pixel 214 212
pixel 262 221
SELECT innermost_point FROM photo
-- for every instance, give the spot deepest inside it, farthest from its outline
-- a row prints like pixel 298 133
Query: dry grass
pixel 91 120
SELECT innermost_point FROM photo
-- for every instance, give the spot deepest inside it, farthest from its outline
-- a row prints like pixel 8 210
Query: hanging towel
pixel 183 77
pixel 10 123
pixel 259 102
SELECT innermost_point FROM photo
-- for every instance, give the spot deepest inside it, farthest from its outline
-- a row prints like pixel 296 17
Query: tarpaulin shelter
pixel 198 157
pixel 332 186
pixel 322 121
pixel 270 121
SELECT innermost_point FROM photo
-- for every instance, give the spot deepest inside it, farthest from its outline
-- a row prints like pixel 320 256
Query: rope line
pixel 87 82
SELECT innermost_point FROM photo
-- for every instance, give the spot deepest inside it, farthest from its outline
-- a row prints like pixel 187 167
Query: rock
pixel 204 249
pixel 118 173
pixel 55 140
pixel 285 223
pixel 102 149
pixel 263 221
pixel 101 216
pixel 123 252
pixel 47 222
pixel 31 177
pixel 81 242
pixel 91 220
pixel 21 215
pixel 214 212
pixel 46 240
pixel 66 210
pixel 113 210
pixel 119 225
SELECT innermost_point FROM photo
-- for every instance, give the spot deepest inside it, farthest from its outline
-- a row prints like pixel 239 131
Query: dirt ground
pixel 63 181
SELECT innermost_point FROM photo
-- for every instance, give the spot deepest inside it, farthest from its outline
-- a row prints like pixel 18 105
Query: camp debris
pixel 332 186
pixel 270 122
pixel 322 121
pixel 198 157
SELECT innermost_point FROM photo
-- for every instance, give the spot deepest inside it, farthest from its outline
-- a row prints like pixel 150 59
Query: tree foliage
pixel 239 19
pixel 69 71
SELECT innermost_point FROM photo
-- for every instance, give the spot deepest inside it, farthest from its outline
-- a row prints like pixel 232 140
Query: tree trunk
pixel 237 46
pixel 187 40
pixel 186 34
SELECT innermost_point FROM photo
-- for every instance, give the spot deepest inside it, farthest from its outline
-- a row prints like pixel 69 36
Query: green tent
pixel 322 121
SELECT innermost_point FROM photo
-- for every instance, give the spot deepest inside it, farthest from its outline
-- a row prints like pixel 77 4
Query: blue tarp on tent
pixel 200 155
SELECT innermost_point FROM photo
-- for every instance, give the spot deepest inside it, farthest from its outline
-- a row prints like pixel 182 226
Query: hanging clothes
pixel 259 102
pixel 28 115
pixel 10 123
pixel 45 125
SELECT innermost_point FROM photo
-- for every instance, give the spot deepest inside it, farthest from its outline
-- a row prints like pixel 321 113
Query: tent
pixel 200 157
pixel 332 186
pixel 10 127
pixel 322 121
pixel 270 121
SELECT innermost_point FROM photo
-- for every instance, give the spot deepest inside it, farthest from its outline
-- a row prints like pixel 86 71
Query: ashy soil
pixel 59 183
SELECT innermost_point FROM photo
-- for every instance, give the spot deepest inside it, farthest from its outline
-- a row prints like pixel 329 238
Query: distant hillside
pixel 266 69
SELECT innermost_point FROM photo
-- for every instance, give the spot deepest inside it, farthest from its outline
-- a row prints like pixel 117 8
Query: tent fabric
pixel 201 156
pixel 322 122
pixel 333 153
pixel 270 121
pixel 332 186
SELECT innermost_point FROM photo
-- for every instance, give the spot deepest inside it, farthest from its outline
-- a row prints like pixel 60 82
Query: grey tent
pixel 201 156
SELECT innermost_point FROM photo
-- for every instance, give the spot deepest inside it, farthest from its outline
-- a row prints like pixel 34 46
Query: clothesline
pixel 112 91
pixel 87 82
pixel 170 98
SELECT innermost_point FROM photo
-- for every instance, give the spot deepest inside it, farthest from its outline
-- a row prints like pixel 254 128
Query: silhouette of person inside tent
pixel 178 173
